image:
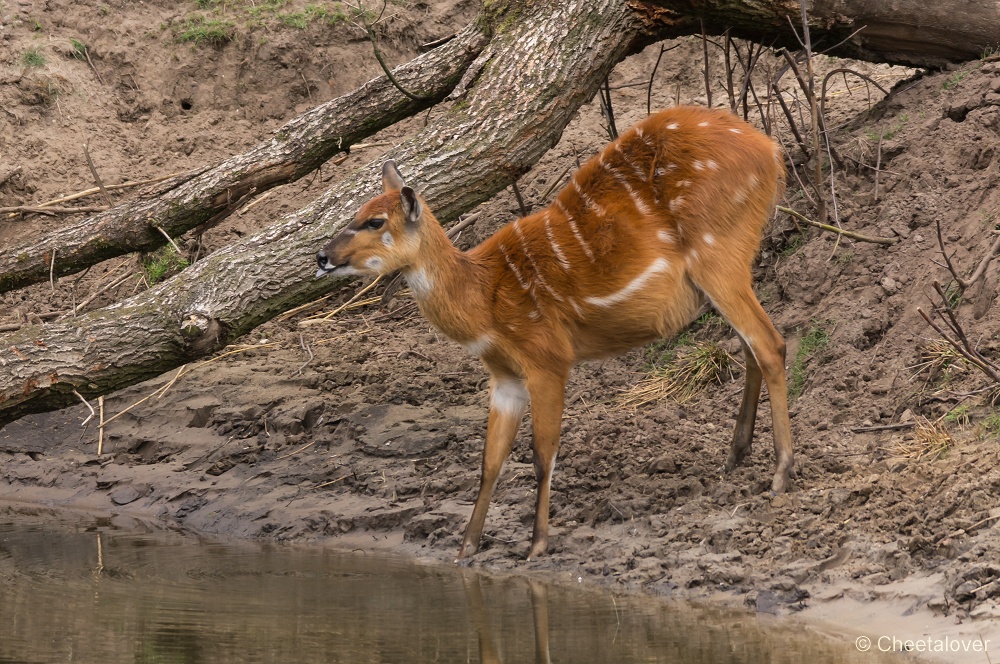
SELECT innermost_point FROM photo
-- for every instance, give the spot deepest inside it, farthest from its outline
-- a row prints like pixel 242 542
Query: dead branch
pixel 980 270
pixel 834 229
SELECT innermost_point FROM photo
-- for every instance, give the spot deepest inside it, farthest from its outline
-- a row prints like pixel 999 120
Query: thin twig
pixel 705 71
pixel 520 200
pixel 87 404
pixel 93 171
pixel 649 88
pixel 52 271
pixel 86 52
pixel 834 229
pixel 964 284
pixel 169 239
pixel 100 428
pixel 90 298
pixel 50 211
pixel 306 348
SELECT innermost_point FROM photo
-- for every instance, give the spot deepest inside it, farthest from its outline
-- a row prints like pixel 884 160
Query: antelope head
pixel 384 235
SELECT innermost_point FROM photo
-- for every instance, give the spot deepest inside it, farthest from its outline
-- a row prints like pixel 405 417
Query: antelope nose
pixel 321 260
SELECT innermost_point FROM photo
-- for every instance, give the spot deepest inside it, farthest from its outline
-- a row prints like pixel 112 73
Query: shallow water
pixel 78 589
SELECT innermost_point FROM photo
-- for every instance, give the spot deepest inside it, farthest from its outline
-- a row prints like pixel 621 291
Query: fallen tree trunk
pixel 905 32
pixel 297 149
pixel 533 76
pixel 543 60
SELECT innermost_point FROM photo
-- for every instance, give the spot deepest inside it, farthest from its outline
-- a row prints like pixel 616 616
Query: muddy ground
pixel 365 429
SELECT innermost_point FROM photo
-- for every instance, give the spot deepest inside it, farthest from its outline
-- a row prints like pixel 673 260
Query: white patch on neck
pixel 509 396
pixel 659 265
pixel 479 345
pixel 419 282
pixel 374 264
pixel 387 239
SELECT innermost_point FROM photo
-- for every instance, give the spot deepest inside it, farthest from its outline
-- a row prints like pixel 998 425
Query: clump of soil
pixel 366 429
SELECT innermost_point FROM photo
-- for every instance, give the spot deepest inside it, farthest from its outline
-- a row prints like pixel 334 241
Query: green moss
pixel 162 263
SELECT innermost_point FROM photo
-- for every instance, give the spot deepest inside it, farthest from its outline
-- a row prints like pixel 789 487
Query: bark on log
pixel 905 32
pixel 297 149
pixel 540 66
pixel 544 59
pixel 908 32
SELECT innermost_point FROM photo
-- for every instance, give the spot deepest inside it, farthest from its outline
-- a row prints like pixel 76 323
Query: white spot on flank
pixel 534 314
pixel 735 130
pixel 676 203
pixel 479 345
pixel 708 238
pixel 740 196
pixel 711 165
pixel 673 125
pixel 683 183
pixel 659 265
pixel 665 236
pixel 692 257
pixel 703 124
pixel 698 165
pixel 509 396
pixel 420 283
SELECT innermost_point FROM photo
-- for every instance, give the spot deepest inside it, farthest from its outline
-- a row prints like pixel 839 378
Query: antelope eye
pixel 374 224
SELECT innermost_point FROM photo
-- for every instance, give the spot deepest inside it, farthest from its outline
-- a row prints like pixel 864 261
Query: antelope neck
pixel 447 286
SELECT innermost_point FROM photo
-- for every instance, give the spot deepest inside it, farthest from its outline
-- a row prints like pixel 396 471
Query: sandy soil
pixel 365 430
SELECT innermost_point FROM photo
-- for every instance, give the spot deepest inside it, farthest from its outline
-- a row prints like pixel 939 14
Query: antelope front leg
pixel 508 400
pixel 546 417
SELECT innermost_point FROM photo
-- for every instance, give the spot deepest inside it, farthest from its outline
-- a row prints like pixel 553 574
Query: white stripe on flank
pixel 709 239
pixel 575 230
pixel 513 268
pixel 587 200
pixel 534 265
pixel 659 265
pixel 665 236
pixel 640 204
pixel 735 130
pixel 556 249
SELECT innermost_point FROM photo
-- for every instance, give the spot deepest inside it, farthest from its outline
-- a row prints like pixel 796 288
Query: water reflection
pixel 80 590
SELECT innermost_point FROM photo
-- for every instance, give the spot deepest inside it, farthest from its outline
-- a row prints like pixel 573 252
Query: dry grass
pixel 936 355
pixel 931 441
pixel 694 368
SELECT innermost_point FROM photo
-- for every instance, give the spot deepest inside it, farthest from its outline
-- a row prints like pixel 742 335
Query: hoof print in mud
pixel 390 430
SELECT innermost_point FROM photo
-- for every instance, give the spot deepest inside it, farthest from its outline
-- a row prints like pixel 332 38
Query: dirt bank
pixel 366 429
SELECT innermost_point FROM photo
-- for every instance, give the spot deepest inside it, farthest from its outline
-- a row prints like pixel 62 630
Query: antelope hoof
pixel 780 483
pixel 538 549
pixel 468 549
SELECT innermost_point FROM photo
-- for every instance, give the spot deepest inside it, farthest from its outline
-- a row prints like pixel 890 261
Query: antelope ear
pixel 391 177
pixel 411 205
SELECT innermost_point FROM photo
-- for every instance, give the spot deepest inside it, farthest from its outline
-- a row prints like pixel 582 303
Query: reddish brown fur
pixel 666 216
